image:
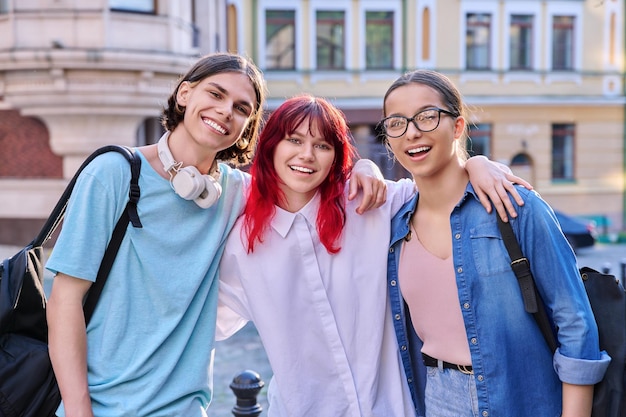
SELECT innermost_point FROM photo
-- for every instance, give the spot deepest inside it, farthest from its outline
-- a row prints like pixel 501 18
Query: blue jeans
pixel 450 393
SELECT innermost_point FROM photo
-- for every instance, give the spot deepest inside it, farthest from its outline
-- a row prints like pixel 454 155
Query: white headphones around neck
pixel 187 181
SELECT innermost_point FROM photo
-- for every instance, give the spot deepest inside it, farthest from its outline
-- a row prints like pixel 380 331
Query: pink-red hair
pixel 265 192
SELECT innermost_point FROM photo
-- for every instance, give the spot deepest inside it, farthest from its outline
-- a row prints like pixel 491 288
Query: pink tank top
pixel 428 285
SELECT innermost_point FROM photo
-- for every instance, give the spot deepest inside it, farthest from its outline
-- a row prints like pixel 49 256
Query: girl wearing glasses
pixel 467 344
pixel 310 272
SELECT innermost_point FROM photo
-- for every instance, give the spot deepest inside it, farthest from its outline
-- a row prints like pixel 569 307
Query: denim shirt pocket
pixel 490 256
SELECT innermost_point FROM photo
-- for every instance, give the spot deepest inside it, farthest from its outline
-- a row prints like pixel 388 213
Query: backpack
pixel 608 302
pixel 28 387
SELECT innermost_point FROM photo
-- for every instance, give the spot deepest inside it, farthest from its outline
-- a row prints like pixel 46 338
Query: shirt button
pixel 393 283
pixel 480 378
pixel 474 341
pixel 409 380
pixel 390 250
pixel 403 347
pixel 459 270
pixel 466 305
pixel 457 236
pixel 485 413
pixel 397 316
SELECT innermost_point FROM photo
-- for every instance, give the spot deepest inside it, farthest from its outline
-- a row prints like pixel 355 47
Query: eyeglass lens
pixel 425 121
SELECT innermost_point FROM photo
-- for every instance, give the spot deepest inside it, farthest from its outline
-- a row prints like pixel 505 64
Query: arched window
pixel 520 159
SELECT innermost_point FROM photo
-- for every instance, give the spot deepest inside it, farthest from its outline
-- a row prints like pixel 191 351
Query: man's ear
pixel 182 94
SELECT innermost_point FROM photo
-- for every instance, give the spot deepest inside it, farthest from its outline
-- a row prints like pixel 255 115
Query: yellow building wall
pixel 521 106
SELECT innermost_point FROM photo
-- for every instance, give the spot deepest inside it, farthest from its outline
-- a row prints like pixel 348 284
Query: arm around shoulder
pixel 367 178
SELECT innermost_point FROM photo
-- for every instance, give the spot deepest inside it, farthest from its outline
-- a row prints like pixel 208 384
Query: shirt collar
pixel 406 212
pixel 283 219
pixel 469 191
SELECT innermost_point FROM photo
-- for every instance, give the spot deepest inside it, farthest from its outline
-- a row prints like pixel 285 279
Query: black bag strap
pixel 129 215
pixel 58 212
pixel 532 299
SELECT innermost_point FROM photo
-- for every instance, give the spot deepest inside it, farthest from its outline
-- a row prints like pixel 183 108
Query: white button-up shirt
pixel 324 319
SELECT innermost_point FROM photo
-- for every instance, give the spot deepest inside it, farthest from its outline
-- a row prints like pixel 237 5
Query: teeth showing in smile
pixel 301 169
pixel 214 126
pixel 418 150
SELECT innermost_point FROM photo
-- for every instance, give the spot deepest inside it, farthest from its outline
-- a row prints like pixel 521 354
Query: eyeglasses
pixel 425 121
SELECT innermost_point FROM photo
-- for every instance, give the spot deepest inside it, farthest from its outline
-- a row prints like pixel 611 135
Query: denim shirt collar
pixel 400 222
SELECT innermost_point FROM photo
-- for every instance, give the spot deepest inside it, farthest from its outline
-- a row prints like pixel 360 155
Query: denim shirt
pixel 516 373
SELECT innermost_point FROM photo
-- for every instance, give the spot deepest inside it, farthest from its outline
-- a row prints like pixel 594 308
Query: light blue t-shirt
pixel 150 340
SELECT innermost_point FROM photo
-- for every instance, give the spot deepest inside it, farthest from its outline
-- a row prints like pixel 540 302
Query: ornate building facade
pixel 76 75
pixel 544 80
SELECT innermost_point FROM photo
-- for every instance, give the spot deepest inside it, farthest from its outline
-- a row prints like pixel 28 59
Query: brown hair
pixel 210 65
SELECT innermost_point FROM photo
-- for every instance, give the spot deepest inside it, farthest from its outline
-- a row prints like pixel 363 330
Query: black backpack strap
pixel 58 212
pixel 129 215
pixel 521 267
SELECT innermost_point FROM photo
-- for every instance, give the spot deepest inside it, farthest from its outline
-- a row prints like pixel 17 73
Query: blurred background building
pixel 544 79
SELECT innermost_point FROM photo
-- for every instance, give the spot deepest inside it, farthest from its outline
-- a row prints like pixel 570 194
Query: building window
pixel 140 6
pixel 330 39
pixel 478 41
pixel 379 40
pixel 563 151
pixel 280 39
pixel 521 42
pixel 479 140
pixel 563 43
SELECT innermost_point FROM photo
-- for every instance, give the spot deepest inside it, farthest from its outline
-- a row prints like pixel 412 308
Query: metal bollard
pixel 606 268
pixel 623 275
pixel 246 386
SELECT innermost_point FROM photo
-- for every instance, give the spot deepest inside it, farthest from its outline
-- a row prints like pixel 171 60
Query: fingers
pixel 484 200
pixel 519 180
pixel 373 194
pixel 353 188
pixel 510 188
pixel 499 196
pixel 502 202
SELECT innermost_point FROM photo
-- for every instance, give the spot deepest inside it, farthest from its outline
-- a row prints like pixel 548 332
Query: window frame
pixel 265 39
pixel 472 50
pixel 562 161
pixel 343 21
pixel 566 53
pixel 563 8
pixel 122 6
pixel 523 51
pixel 533 9
pixel 394 6
pixel 385 23
pixel 481 7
